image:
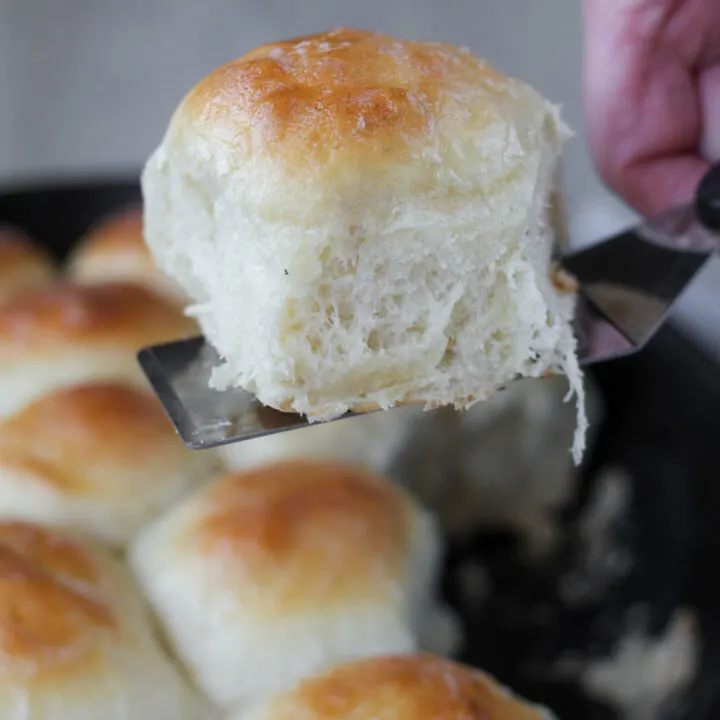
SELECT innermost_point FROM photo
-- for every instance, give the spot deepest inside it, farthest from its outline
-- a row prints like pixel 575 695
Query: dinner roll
pixel 363 222
pixel 270 575
pixel 23 263
pixel 101 458
pixel 369 439
pixel 65 333
pixel 75 640
pixel 115 250
pixel 414 687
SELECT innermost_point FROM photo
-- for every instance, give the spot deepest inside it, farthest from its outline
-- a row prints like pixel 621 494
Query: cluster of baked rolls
pixel 139 579
pixel 286 578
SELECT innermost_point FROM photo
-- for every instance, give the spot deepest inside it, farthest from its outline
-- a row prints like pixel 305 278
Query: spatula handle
pixel 707 200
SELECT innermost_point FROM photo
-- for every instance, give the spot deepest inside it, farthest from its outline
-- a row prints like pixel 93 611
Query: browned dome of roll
pixel 266 576
pixel 273 519
pixel 50 585
pixel 23 263
pixel 100 458
pixel 408 687
pixel 75 639
pixel 118 313
pixel 315 95
pixel 65 333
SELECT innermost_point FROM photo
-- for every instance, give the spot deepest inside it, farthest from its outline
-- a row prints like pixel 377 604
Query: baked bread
pixel 115 250
pixel 75 638
pixel 370 440
pixel 270 575
pixel 100 458
pixel 363 222
pixel 65 333
pixel 414 687
pixel 23 263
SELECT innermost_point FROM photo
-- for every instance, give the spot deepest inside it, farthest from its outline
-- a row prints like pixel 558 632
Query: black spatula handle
pixel 707 201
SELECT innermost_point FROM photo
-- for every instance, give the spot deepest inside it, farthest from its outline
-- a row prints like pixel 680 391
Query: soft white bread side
pixel 23 263
pixel 63 334
pixel 75 638
pixel 270 575
pixel 100 458
pixel 115 250
pixel 415 687
pixel 369 439
pixel 363 222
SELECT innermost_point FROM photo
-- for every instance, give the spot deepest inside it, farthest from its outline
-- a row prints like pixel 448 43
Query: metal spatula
pixel 628 284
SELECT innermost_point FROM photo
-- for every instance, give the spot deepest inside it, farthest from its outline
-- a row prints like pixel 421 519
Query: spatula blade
pixel 179 373
pixel 633 279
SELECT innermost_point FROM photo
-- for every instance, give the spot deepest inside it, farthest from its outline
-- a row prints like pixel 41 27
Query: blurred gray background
pixel 87 86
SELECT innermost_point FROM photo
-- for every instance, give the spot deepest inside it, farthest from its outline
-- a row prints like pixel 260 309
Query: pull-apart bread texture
pixel 363 222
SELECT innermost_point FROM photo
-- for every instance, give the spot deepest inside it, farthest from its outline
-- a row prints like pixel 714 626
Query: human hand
pixel 652 96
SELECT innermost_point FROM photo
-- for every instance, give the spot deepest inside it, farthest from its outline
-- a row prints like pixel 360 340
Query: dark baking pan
pixel 662 425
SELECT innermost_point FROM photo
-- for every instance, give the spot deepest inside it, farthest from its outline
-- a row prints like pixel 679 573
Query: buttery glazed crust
pixel 99 458
pixel 411 687
pixel 53 613
pixel 75 640
pixel 66 436
pixel 271 522
pixel 338 99
pixel 111 314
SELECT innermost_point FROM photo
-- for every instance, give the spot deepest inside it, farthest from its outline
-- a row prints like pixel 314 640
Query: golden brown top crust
pixel 402 688
pixel 120 233
pixel 17 250
pixel 336 90
pixel 64 435
pixel 109 313
pixel 306 532
pixel 51 607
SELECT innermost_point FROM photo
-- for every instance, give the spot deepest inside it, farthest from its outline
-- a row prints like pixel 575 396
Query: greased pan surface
pixel 662 425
